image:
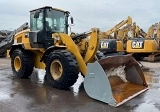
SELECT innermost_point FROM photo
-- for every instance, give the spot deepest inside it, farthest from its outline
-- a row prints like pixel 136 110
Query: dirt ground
pixel 35 95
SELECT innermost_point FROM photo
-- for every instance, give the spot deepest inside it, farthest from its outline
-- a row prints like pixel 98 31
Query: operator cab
pixel 44 22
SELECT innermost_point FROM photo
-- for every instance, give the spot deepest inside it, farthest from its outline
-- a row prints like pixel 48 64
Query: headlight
pixel 26 35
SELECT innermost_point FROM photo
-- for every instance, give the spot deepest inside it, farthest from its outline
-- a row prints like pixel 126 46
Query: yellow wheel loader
pixel 47 45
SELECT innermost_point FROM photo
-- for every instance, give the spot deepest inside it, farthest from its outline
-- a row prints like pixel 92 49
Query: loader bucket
pixel 114 80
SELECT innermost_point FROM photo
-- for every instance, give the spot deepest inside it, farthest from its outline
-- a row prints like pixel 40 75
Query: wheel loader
pixel 47 45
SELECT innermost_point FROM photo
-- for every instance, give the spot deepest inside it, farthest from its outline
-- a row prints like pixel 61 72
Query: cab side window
pixel 36 23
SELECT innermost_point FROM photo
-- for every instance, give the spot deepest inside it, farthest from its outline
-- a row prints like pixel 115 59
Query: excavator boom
pixel 128 21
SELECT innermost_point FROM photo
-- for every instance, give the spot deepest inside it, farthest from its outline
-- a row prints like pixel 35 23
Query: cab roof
pixel 49 7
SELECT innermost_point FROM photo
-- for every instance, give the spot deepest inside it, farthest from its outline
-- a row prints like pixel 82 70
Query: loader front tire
pixel 22 63
pixel 61 69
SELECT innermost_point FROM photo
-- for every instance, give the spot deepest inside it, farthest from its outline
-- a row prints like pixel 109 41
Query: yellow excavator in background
pixel 47 45
pixel 111 44
pixel 145 45
pixel 125 33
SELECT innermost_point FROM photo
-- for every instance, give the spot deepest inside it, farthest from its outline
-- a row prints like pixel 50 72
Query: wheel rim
pixel 56 69
pixel 17 63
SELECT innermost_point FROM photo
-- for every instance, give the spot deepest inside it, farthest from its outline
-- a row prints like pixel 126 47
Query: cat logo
pixel 137 44
pixel 104 45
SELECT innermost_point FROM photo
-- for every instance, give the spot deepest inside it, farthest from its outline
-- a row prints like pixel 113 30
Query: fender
pixel 14 46
pixel 50 49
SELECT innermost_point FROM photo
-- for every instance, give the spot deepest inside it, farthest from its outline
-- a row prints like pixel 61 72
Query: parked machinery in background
pixel 112 44
pixel 7 41
pixel 146 45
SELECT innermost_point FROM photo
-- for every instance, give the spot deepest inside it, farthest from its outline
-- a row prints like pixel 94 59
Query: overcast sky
pixel 103 14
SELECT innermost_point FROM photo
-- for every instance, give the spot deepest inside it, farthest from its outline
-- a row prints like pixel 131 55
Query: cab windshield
pixel 56 21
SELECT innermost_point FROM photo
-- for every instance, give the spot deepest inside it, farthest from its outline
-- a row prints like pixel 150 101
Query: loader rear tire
pixel 22 63
pixel 100 55
pixel 61 69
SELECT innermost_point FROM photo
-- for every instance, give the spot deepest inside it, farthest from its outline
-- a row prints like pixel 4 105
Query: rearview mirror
pixel 36 14
pixel 72 20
